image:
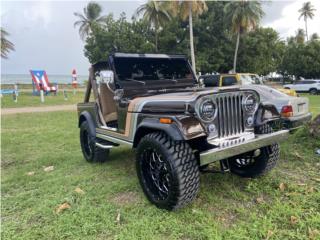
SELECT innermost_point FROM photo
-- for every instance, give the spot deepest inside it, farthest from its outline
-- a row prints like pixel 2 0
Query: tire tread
pixel 184 165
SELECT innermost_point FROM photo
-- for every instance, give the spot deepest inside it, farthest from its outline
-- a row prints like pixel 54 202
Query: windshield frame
pixel 191 81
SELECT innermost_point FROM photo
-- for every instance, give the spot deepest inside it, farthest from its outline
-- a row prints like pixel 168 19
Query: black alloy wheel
pixel 156 173
pixel 88 140
pixel 256 163
pixel 167 170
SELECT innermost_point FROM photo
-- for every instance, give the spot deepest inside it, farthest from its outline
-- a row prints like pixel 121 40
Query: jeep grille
pixel 230 114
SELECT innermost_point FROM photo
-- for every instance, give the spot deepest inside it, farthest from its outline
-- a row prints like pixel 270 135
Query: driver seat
pixel 108 105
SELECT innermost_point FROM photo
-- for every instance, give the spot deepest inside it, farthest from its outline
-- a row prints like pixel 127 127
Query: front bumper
pixel 260 140
pixel 296 122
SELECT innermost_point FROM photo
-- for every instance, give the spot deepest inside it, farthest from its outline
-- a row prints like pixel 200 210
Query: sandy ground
pixel 8 111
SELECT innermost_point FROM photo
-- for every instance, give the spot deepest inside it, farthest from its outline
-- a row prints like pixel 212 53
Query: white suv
pixel 311 86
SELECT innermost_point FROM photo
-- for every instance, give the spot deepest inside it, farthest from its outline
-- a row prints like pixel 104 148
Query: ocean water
pixel 26 79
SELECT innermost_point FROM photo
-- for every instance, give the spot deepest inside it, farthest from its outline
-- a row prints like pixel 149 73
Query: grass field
pixel 26 99
pixel 314 103
pixel 284 204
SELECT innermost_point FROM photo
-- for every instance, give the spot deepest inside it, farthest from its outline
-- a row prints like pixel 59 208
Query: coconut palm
pixel 92 15
pixel 314 37
pixel 300 35
pixel 6 45
pixel 186 10
pixel 244 16
pixel 307 11
pixel 155 13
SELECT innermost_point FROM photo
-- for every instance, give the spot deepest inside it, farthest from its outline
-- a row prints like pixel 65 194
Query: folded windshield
pixel 152 69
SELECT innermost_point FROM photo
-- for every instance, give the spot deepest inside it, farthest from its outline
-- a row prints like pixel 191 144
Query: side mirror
pixel 107 76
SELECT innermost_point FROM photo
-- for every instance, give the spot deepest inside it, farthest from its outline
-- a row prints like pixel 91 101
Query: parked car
pixel 248 79
pixel 311 86
pixel 294 111
pixel 153 103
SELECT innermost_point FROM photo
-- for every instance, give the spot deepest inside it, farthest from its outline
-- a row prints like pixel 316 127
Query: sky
pixel 45 38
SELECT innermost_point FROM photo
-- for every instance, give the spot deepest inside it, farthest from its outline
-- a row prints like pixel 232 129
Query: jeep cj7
pixel 154 104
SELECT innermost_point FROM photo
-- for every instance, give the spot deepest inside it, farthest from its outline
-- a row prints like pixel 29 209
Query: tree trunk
pixel 305 22
pixel 156 36
pixel 193 61
pixel 236 53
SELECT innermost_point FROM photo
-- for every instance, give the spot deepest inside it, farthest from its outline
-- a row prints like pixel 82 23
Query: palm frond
pixel 92 14
pixel 6 45
pixel 243 15
pixel 79 22
pixel 79 15
pixel 307 11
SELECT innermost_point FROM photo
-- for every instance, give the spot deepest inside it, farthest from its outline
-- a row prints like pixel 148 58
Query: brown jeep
pixel 153 103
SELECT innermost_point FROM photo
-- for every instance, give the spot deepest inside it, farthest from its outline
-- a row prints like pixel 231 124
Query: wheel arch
pixel 260 113
pixel 313 88
pixel 149 126
pixel 86 116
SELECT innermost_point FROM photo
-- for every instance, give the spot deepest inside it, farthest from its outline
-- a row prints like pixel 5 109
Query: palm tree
pixel 314 37
pixel 92 15
pixel 6 45
pixel 300 35
pixel 155 13
pixel 244 17
pixel 307 11
pixel 186 10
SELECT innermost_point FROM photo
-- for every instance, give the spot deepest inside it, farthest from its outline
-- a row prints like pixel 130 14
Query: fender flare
pixel 151 125
pixel 86 116
pixel 260 118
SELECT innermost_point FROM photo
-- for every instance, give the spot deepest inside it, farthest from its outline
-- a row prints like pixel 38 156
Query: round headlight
pixel 208 110
pixel 250 103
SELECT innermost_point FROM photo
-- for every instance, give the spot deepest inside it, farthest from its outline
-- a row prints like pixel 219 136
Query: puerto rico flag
pixel 41 81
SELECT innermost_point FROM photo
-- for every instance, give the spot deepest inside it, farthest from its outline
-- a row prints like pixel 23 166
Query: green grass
pixel 314 103
pixel 225 208
pixel 26 99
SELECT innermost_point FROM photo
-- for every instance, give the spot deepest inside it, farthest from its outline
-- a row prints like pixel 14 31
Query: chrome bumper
pixel 296 122
pixel 259 141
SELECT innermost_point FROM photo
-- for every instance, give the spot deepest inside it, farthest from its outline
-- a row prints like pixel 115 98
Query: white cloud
pixel 40 12
pixel 288 23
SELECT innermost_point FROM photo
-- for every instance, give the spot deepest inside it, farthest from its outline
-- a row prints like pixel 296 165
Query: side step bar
pixel 103 146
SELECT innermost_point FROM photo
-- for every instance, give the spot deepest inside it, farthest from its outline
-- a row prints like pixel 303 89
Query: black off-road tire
pixel 181 171
pixel 247 165
pixel 313 91
pixel 88 140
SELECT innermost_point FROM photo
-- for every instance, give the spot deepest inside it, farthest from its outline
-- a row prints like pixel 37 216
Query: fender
pixel 150 125
pixel 86 116
pixel 266 112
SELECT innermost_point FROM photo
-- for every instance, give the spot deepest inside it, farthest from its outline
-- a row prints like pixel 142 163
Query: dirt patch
pixel 125 198
pixel 8 111
pixel 227 218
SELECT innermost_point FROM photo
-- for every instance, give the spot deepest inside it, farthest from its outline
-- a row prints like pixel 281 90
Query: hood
pixel 176 102
pixel 279 99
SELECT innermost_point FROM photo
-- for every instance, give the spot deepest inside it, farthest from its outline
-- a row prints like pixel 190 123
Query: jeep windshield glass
pixel 250 79
pixel 152 69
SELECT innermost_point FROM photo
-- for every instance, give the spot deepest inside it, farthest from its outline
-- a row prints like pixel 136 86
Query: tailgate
pixel 300 106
